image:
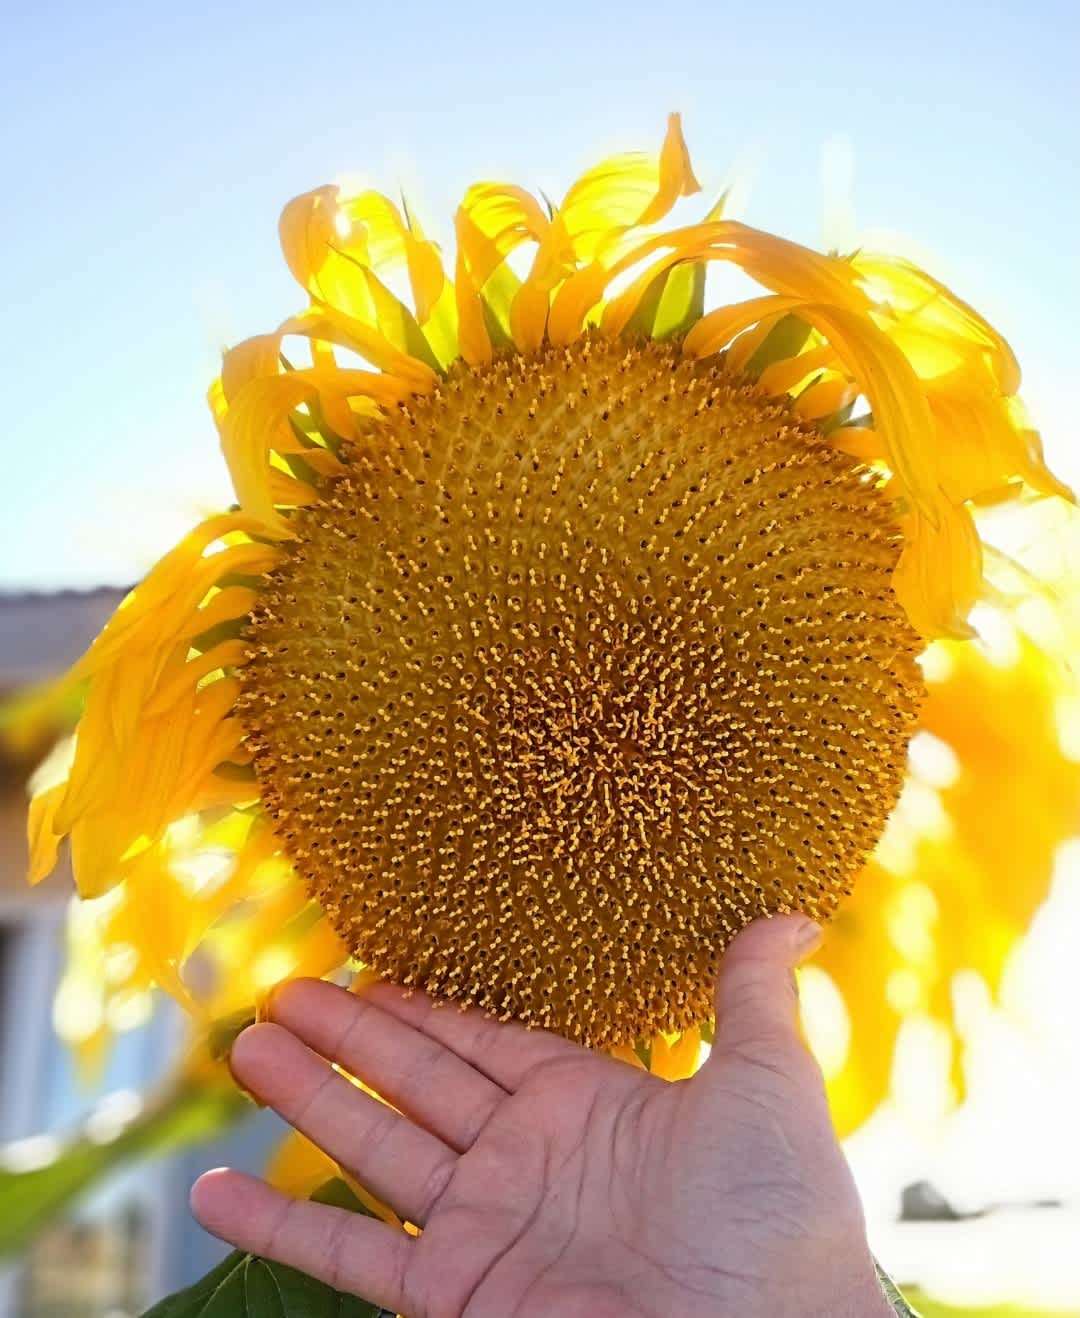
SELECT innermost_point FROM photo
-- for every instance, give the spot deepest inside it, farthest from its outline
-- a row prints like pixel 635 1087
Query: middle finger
pixel 426 1080
pixel 400 1163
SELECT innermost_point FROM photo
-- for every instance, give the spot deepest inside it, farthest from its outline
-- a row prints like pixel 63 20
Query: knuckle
pixel 349 1035
pixel 304 1109
pixel 436 1186
pixel 337 1252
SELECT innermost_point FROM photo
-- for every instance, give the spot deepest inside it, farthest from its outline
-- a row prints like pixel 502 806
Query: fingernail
pixel 806 938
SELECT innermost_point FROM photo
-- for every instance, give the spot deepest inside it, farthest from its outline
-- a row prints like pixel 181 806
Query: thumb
pixel 756 998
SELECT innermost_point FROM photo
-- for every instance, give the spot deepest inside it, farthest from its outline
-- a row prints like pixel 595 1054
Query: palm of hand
pixel 552 1182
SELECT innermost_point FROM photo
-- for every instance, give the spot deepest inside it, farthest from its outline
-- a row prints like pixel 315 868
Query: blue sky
pixel 146 151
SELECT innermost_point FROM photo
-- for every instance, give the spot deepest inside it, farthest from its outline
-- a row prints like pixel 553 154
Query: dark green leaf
pixel 262 1294
pixel 246 1287
pixel 337 1194
pixel 221 1281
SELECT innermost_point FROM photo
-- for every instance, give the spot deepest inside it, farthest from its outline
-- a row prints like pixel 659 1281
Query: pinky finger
pixel 348 1251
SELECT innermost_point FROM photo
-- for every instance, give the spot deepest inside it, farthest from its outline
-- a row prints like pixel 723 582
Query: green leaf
pixel 243 1286
pixel 262 1294
pixel 186 1114
pixel 672 303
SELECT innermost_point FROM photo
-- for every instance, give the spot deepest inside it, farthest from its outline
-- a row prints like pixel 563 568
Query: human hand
pixel 554 1182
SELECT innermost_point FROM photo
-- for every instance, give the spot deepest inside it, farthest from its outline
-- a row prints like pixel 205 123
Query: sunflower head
pixel 564 625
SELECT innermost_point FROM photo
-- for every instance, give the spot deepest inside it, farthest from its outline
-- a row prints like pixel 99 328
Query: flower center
pixel 590 658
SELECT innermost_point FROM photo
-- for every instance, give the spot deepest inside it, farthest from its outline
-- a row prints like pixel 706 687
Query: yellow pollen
pixel 591 658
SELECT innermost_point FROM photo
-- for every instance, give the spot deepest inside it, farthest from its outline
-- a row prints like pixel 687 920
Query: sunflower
pixel 562 625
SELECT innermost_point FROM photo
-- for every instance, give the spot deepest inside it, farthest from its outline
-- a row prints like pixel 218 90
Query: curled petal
pixel 626 191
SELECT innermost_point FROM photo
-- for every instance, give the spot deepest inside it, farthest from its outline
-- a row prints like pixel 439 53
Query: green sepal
pixel 232 629
pixel 223 1033
pixel 297 465
pixel 496 298
pixel 393 319
pixel 836 420
pixel 441 328
pixel 672 303
pixel 243 1286
pixel 398 324
pixel 235 773
pixel 787 338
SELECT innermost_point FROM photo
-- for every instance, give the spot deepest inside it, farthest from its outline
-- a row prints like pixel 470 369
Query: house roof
pixel 42 633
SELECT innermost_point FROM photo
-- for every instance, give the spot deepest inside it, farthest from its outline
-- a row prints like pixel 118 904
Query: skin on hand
pixel 553 1182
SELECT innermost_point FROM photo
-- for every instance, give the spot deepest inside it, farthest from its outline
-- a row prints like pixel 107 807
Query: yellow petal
pixel 717 328
pixel 257 421
pixel 253 359
pixel 496 218
pixel 43 839
pixel 859 956
pixel 474 342
pixel 624 1053
pixel 939 576
pixel 574 300
pixel 676 173
pixel 985 441
pixel 297 1167
pixel 334 326
pixel 677 1059
pixel 825 397
pixel 626 191
pixel 921 303
pixel 306 230
pixel 788 373
pixel 528 316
